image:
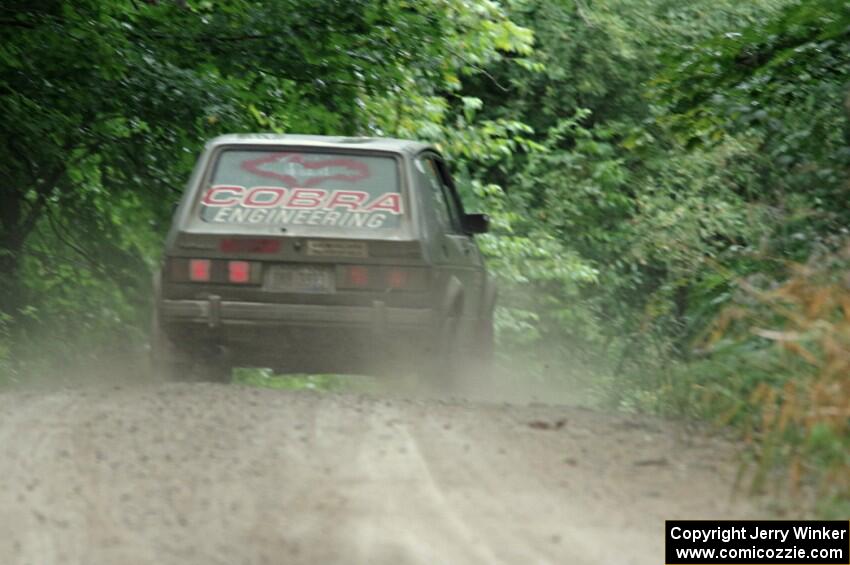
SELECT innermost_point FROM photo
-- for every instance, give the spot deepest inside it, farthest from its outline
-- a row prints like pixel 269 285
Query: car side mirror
pixel 476 223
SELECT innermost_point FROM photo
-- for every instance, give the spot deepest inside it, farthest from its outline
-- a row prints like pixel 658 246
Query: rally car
pixel 321 254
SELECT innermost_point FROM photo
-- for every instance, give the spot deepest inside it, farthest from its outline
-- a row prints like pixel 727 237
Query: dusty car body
pixel 320 254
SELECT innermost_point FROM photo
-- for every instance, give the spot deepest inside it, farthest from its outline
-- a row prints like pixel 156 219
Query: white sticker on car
pixel 299 206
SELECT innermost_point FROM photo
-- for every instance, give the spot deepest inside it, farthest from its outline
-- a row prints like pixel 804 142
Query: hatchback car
pixel 321 254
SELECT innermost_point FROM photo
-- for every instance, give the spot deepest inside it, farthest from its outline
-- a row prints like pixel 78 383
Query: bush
pixel 779 366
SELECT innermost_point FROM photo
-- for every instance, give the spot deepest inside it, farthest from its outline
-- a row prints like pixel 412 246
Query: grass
pixel 265 378
pixel 780 372
pixel 775 366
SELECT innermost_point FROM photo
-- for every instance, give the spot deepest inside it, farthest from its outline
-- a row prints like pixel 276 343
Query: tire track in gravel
pixel 208 474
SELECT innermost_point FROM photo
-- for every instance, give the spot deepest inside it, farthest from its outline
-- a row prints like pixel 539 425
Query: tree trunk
pixel 11 245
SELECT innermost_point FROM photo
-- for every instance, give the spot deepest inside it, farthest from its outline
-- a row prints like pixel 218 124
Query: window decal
pixel 293 169
pixel 283 188
pixel 300 206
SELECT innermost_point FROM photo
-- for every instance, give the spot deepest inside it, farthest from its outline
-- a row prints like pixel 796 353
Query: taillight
pixel 355 276
pixel 239 272
pixel 406 278
pixel 199 270
pixel 397 278
pixel 215 271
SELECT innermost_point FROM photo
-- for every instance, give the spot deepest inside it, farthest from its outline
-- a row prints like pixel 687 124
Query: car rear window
pixel 333 191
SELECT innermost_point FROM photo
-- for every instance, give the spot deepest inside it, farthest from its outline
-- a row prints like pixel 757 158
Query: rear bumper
pixel 216 313
pixel 299 337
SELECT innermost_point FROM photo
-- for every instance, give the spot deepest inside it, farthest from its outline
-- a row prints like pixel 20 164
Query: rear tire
pixel 165 361
pixel 443 368
pixel 484 347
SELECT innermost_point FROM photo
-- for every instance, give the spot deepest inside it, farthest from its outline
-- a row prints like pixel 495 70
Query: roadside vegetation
pixel 265 378
pixel 668 182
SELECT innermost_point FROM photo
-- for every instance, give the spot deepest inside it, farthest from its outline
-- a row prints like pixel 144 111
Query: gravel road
pixel 207 474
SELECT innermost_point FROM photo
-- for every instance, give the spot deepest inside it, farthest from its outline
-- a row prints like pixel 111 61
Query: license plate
pixel 300 278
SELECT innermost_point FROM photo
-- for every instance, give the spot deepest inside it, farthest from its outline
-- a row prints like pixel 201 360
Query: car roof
pixel 325 141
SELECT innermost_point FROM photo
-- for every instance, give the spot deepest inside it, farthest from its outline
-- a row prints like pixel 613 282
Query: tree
pixel 104 101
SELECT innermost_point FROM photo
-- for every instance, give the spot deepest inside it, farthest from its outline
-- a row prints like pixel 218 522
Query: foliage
pixel 683 147
pixel 264 378
pixel 782 84
pixel 778 366
pixel 609 184
pixel 779 85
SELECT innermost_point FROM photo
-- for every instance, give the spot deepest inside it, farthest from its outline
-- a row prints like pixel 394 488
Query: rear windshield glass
pixel 283 188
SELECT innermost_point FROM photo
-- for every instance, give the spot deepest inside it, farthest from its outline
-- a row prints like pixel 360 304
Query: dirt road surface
pixel 208 474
